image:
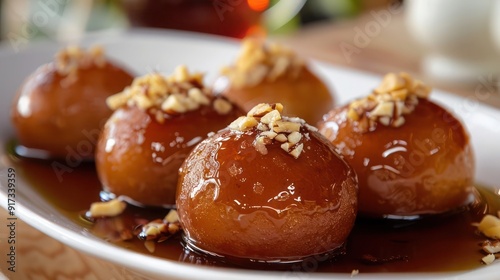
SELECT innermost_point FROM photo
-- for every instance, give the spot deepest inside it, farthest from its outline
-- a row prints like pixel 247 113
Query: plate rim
pixel 169 267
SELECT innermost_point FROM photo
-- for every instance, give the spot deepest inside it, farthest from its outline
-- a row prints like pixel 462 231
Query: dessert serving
pixel 156 123
pixel 181 175
pixel 412 157
pixel 268 189
pixel 273 73
pixel 61 107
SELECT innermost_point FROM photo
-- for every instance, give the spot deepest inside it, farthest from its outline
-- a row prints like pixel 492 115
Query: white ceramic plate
pixel 146 50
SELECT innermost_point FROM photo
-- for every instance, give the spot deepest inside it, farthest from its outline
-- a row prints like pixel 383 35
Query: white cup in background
pixel 460 37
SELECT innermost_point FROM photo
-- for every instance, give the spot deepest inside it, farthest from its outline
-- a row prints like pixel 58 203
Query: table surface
pixel 42 257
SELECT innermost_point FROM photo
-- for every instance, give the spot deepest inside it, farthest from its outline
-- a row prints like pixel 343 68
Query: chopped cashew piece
pixel 297 151
pixel 150 246
pixel 271 117
pixel 281 137
pixel 492 232
pixel 260 110
pixel 270 126
pixel 491 247
pixel 243 123
pixel 172 217
pixel 259 62
pixel 489 259
pixel 490 226
pixel 396 96
pixel 294 137
pixel 110 208
pixel 222 106
pixel 284 126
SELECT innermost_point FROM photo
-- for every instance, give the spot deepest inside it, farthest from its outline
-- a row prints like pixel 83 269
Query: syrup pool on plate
pixel 444 243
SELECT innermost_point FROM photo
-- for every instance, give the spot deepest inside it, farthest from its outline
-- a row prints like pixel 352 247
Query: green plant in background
pixel 109 14
pixel 328 9
pixel 316 10
pixel 27 20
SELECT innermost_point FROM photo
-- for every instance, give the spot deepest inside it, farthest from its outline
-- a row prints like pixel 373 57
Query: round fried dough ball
pixel 145 141
pixel 274 74
pixel 61 107
pixel 267 188
pixel 412 157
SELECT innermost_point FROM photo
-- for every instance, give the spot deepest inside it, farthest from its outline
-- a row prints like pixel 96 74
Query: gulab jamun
pixel 268 188
pixel 156 123
pixel 273 73
pixel 60 109
pixel 412 156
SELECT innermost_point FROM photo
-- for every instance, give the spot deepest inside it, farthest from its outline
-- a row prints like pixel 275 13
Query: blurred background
pixel 60 19
pixel 451 44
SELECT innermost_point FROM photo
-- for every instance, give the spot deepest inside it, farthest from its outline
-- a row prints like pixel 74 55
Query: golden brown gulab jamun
pixel 412 157
pixel 268 189
pixel 272 73
pixel 60 109
pixel 158 120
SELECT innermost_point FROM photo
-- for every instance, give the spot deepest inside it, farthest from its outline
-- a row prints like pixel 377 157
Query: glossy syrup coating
pixel 139 157
pixel 141 149
pixel 237 202
pixel 425 166
pixel 62 113
pixel 272 73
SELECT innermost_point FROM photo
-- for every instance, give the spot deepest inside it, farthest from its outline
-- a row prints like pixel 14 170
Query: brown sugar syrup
pixel 442 243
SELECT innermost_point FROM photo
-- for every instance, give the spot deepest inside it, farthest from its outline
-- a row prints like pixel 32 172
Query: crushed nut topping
pixel 150 246
pixel 159 230
pixel 110 208
pixel 490 227
pixel 175 94
pixel 272 126
pixel 488 259
pixel 222 106
pixel 109 223
pixel 72 58
pixel 395 97
pixel 491 246
pixel 260 62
